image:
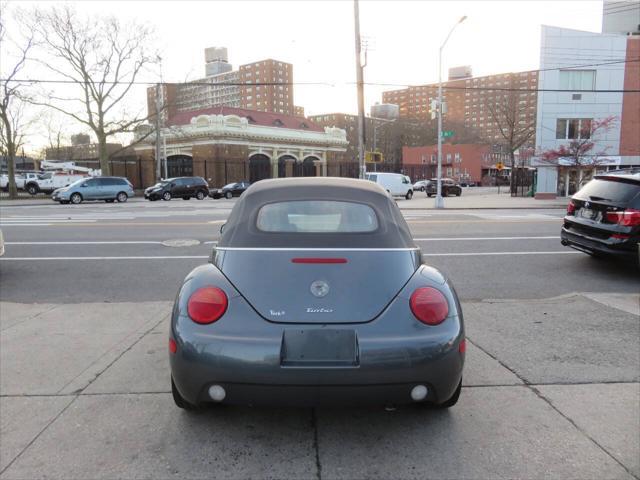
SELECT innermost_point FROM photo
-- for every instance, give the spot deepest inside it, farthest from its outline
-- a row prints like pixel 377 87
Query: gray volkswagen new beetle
pixel 316 294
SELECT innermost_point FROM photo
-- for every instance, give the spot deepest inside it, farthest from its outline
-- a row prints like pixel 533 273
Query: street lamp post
pixel 439 200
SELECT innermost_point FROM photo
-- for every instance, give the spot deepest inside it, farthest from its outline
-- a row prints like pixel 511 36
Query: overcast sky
pixel 317 37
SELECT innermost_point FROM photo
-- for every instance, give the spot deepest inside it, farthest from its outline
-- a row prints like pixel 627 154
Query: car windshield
pixel 321 216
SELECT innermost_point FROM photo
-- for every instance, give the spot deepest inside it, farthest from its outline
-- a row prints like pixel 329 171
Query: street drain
pixel 181 242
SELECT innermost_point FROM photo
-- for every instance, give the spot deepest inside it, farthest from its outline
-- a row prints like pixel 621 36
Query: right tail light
pixel 429 305
pixel 626 218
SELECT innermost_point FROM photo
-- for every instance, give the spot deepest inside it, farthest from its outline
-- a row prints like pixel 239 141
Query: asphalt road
pixel 115 253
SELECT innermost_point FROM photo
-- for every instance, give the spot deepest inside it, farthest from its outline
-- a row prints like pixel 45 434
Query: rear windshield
pixel 610 191
pixel 317 216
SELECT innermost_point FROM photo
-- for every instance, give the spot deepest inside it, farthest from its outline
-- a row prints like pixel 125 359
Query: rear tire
pixel 200 195
pixel 179 400
pixel 458 193
pixel 76 199
pixel 121 197
pixel 454 398
pixel 166 196
pixel 409 195
pixel 32 189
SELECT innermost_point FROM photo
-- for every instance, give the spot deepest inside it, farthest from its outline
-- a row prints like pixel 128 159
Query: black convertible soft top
pixel 241 231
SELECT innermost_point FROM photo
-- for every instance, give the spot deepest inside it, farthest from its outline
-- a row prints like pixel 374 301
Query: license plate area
pixel 319 348
pixel 589 214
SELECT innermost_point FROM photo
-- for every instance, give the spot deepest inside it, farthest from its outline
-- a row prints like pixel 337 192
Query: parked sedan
pixel 316 294
pixel 229 191
pixel 603 217
pixel 421 185
pixel 180 187
pixel 449 187
pixel 108 189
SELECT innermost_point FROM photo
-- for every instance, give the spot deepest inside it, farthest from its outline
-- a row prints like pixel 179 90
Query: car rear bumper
pixel 251 369
pixel 622 248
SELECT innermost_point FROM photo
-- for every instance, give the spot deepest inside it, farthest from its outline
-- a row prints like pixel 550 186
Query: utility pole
pixel 360 86
pixel 158 110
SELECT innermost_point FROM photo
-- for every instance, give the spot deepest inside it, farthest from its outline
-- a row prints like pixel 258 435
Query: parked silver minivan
pixel 108 189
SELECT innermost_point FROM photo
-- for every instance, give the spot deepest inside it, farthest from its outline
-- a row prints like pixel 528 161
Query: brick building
pixel 468 100
pixel 382 135
pixel 462 162
pixel 235 88
pixel 224 144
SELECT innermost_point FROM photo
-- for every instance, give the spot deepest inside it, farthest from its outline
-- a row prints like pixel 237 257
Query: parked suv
pixel 603 217
pixel 108 189
pixel 449 187
pixel 180 187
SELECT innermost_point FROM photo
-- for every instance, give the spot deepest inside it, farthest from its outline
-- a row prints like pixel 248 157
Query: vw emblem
pixel 319 288
pixel 587 204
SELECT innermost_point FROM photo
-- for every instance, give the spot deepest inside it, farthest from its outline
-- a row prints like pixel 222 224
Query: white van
pixel 396 184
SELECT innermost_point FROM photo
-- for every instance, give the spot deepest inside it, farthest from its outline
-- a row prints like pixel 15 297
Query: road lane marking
pixel 116 242
pixel 471 254
pixel 202 257
pixel 165 257
pixel 438 239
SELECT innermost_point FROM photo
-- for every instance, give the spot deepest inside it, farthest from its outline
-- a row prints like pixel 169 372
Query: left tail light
pixel 207 304
pixel 571 208
pixel 429 305
pixel 626 218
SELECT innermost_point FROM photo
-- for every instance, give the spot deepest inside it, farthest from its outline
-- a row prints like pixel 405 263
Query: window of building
pixel 448 157
pixel 433 158
pixel 577 79
pixel 573 128
pixel 457 157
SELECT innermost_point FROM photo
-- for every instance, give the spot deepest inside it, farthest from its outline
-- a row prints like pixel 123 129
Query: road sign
pixel 373 157
pixel 447 133
pixel 499 166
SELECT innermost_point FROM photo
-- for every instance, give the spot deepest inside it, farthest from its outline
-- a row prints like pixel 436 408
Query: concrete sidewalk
pixel 550 390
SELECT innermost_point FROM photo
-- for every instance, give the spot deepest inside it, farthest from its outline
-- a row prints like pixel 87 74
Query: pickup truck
pixel 50 181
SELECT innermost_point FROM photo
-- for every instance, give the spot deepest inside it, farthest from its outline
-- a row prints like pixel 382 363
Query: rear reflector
pixel 429 305
pixel 207 304
pixel 319 260
pixel 173 346
pixel 462 346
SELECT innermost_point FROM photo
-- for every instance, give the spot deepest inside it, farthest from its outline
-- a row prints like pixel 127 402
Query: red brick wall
pixel 630 122
pixel 471 158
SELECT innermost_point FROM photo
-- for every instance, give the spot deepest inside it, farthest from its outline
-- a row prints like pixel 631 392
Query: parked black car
pixel 181 187
pixel 230 190
pixel 449 187
pixel 603 217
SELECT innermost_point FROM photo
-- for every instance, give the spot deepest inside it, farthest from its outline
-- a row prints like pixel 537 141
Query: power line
pixel 333 84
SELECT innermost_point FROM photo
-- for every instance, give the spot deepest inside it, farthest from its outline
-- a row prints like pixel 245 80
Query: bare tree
pixel 101 58
pixel 12 96
pixel 517 127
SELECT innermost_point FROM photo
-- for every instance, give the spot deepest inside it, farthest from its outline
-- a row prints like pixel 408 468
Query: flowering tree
pixel 578 152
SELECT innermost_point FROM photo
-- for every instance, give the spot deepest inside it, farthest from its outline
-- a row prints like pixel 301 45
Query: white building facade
pixel 581 80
